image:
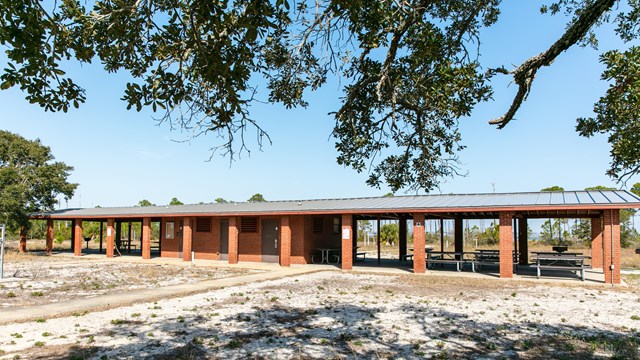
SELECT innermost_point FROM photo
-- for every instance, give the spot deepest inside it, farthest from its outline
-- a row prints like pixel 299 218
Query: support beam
pixel 118 238
pixel 101 229
pixel 285 241
pixel 77 234
pixel 23 240
pixel 110 237
pixel 49 238
pixel 458 236
pixel 347 242
pixel 611 242
pixel 129 239
pixel 596 243
pixel 187 237
pixel 441 234
pixel 146 238
pixel 506 244
pixel 419 264
pixel 523 241
pixel 233 240
pixel 378 238
pixel 73 235
pixel 402 246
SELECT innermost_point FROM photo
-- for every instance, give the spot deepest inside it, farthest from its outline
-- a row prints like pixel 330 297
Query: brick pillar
pixel 233 240
pixel 611 238
pixel 285 241
pixel 146 238
pixel 49 236
pixel 187 237
pixel 402 241
pixel 523 241
pixel 347 242
pixel 77 231
pixel 23 240
pixel 458 237
pixel 419 264
pixel 506 245
pixel 111 234
pixel 596 243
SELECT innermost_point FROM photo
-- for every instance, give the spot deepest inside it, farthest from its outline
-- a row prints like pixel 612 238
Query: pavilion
pixel 289 232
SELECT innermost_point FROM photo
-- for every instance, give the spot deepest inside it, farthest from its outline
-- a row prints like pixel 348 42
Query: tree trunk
pixel 23 240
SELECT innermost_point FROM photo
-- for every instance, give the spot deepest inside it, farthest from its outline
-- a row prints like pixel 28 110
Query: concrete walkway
pixel 110 301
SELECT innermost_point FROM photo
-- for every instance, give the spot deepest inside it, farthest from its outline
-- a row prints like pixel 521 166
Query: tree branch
pixel 525 73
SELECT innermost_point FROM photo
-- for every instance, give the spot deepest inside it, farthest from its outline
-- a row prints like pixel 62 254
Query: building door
pixel 224 240
pixel 270 237
pixel 179 239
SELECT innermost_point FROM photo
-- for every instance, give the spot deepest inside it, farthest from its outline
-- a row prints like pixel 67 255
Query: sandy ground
pixel 333 314
pixel 33 280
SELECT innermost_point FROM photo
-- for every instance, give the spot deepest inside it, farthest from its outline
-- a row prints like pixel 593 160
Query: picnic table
pixel 445 257
pixel 326 254
pixel 560 261
pixel 407 257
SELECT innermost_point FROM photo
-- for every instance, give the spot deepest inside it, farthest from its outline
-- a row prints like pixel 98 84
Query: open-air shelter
pixel 291 232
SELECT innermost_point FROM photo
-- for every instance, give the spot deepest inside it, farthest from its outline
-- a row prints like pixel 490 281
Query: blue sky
pixel 121 157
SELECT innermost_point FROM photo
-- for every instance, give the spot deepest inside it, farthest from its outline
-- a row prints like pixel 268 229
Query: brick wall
pixel 596 243
pixel 298 253
pixel 169 246
pixel 207 244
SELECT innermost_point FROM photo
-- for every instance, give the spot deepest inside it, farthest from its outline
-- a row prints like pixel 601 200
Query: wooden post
pixel 378 239
pixel 129 238
pixel 101 228
pixel 441 234
pixel 458 237
pixel 402 246
pixel 523 240
pixel 49 246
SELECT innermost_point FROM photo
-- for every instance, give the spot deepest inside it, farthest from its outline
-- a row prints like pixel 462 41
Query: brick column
pixel 285 241
pixel 111 234
pixel 187 237
pixel 49 237
pixel 347 242
pixel 611 238
pixel 506 245
pixel 233 240
pixel 77 230
pixel 458 237
pixel 523 241
pixel 596 243
pixel 419 264
pixel 146 238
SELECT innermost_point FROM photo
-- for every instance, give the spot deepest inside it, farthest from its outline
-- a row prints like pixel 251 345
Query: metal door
pixel 270 238
pixel 224 240
pixel 179 239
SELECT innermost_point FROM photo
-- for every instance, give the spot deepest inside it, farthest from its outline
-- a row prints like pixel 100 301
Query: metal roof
pixel 592 199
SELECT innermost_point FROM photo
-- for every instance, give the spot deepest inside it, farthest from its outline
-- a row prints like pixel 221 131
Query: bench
pixel 361 256
pixel 443 257
pixel 560 262
pixel 407 257
pixel 490 257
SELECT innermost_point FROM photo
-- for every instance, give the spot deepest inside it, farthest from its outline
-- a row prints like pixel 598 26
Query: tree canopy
pixel 257 197
pixel 30 179
pixel 410 70
pixel 145 202
pixel 175 201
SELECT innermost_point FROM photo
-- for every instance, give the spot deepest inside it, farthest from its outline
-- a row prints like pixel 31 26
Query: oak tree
pixel 411 69
pixel 30 181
